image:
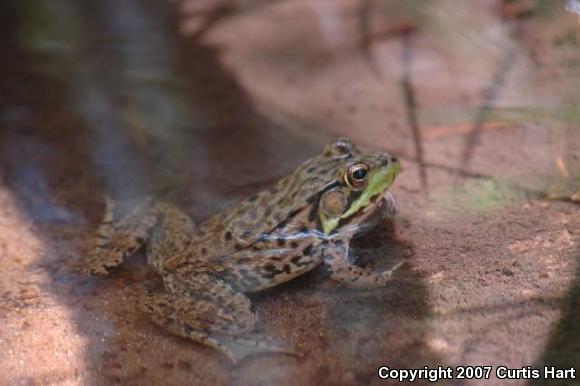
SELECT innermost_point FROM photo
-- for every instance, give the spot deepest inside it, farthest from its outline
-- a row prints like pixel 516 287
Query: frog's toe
pixel 96 269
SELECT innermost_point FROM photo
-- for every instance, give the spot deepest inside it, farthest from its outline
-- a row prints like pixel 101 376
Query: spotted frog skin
pixel 305 219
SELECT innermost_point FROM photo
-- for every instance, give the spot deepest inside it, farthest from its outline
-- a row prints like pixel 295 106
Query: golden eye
pixel 357 174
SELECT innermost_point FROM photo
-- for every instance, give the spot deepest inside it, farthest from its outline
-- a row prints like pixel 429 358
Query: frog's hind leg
pixel 120 234
pixel 209 311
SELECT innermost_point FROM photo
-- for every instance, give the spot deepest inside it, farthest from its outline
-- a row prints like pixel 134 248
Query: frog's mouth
pixel 367 217
pixel 374 202
pixel 377 203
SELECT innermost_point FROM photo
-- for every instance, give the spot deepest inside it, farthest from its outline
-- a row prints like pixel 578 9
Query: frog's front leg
pixel 208 310
pixel 336 256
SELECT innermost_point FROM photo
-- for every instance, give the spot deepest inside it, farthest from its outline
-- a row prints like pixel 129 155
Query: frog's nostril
pixel 394 159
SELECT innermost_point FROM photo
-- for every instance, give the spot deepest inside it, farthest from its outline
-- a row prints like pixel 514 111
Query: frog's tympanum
pixel 305 219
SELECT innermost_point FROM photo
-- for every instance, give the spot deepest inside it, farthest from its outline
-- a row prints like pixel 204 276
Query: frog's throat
pixel 379 181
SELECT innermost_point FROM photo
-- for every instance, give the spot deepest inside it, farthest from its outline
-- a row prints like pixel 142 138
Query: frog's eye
pixel 356 175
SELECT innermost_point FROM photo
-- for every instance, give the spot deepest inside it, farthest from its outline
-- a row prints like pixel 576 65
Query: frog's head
pixel 361 180
pixel 333 193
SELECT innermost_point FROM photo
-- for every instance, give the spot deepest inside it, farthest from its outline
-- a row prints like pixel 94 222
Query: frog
pixel 304 220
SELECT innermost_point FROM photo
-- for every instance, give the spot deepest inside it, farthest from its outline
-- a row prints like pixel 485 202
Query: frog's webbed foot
pixel 120 234
pixel 343 271
pixel 208 310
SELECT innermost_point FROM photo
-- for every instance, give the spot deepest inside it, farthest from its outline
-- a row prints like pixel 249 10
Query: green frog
pixel 305 219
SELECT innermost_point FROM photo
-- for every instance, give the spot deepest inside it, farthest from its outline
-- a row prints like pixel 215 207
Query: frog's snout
pixel 395 164
pixel 395 161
